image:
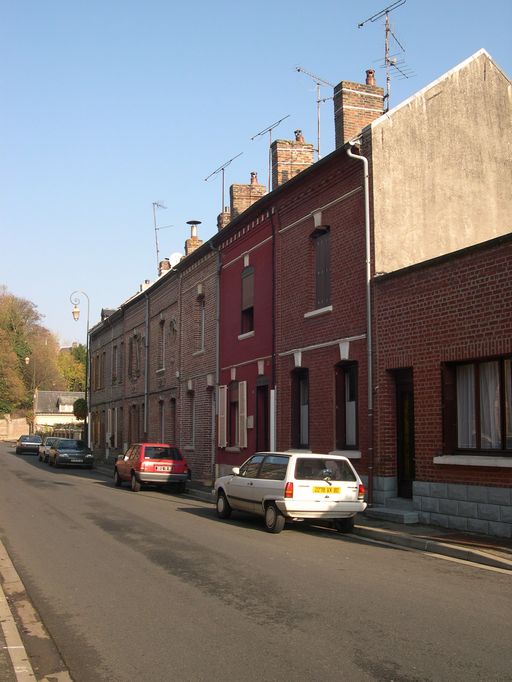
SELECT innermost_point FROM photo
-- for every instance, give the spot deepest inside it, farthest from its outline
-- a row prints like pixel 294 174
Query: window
pixel 134 352
pixel 114 364
pixel 247 300
pixel 161 345
pixel 200 315
pixel 120 371
pixel 274 468
pixel 346 406
pixel 251 467
pixel 300 408
pixel 322 243
pixel 477 406
pixel 232 431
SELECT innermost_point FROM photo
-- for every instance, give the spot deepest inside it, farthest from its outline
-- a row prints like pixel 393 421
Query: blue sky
pixel 110 105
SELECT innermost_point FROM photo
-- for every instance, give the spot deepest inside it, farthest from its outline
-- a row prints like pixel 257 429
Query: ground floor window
pixel 481 404
pixel 346 406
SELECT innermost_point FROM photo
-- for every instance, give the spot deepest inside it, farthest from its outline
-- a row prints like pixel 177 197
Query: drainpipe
pixel 146 368
pixel 217 360
pixel 369 341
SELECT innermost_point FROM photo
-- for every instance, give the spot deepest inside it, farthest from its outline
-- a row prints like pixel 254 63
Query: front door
pixel 405 432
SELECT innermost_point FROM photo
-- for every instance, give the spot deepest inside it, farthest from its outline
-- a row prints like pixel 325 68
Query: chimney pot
pixel 254 178
pixel 370 77
pixel 299 137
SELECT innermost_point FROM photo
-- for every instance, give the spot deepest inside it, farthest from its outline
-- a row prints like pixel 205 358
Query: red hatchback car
pixel 156 464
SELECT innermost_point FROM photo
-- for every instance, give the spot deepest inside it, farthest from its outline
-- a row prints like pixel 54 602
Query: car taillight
pixel 288 490
pixel 360 494
pixel 143 466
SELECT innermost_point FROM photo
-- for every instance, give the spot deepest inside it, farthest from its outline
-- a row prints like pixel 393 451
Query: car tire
pixel 181 487
pixel 18 451
pixel 136 485
pixel 344 525
pixel 274 520
pixel 223 506
pixel 117 479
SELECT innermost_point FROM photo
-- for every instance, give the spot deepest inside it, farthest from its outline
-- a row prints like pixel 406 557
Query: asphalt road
pixel 153 586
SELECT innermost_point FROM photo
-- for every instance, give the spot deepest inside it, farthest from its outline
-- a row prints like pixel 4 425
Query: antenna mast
pixel 221 169
pixel 269 130
pixel 319 82
pixel 157 204
pixel 389 60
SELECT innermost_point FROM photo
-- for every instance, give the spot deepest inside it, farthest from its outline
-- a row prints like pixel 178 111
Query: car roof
pixel 155 445
pixel 301 453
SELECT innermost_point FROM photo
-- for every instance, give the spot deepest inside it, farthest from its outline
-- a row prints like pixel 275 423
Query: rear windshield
pixel 70 444
pixel 31 439
pixel 162 453
pixel 309 469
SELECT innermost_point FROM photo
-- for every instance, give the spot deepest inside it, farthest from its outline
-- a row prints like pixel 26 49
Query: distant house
pixel 52 408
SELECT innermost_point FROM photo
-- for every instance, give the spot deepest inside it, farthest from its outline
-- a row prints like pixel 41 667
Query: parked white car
pixel 284 486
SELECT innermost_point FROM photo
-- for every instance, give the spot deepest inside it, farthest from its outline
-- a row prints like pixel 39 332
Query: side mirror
pixel 236 471
pixel 120 457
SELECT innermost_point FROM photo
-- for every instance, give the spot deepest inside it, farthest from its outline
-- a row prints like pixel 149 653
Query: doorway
pixel 405 432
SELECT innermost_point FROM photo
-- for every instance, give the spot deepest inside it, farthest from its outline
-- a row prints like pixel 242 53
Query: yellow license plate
pixel 330 489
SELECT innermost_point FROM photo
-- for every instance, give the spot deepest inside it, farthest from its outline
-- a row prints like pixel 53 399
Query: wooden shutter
pixel 242 414
pixel 449 398
pixel 323 270
pixel 222 424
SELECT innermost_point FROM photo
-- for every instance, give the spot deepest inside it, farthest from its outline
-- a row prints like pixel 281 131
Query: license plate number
pixel 327 490
pixel 163 468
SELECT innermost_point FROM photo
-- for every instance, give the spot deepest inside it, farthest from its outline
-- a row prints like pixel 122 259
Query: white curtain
pixel 490 418
pixel 466 406
pixel 508 401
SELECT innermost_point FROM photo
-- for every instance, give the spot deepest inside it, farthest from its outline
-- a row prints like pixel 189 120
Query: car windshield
pixel 309 469
pixel 70 444
pixel 31 439
pixel 160 452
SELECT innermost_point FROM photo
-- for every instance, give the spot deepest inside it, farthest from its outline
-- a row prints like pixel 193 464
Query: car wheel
pixel 136 485
pixel 18 451
pixel 344 525
pixel 181 487
pixel 40 458
pixel 223 506
pixel 117 479
pixel 274 520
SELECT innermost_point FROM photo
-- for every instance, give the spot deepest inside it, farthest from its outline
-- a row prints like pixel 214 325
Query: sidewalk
pixel 481 549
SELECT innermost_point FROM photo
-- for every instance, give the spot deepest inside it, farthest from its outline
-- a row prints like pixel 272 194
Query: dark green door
pixel 405 432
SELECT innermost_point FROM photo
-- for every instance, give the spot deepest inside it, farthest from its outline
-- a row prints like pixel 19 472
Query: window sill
pixel 474 461
pixel 198 352
pixel 318 312
pixel 161 370
pixel 231 448
pixel 349 454
pixel 247 335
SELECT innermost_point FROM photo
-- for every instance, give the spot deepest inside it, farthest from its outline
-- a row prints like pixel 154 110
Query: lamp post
pixel 33 388
pixel 75 300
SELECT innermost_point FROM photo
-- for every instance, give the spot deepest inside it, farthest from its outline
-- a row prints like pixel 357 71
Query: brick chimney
pixel 223 218
pixel 290 157
pixel 356 106
pixel 193 242
pixel 243 196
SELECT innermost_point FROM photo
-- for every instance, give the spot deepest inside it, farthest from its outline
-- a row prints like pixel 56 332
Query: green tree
pixel 72 366
pixel 80 408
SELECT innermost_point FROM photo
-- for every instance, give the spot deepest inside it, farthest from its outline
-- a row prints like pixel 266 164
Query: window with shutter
pixel 242 414
pixel 223 400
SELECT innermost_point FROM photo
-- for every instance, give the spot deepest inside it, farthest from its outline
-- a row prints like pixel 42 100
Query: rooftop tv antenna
pixel 221 169
pixel 390 60
pixel 319 82
pixel 269 130
pixel 158 204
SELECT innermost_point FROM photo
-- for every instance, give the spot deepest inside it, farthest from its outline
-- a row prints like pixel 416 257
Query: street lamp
pixel 75 300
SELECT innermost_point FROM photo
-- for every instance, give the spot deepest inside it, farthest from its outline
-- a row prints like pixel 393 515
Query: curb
pixel 432 546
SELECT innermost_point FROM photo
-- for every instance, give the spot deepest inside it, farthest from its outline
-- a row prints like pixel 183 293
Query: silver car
pixel 71 452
